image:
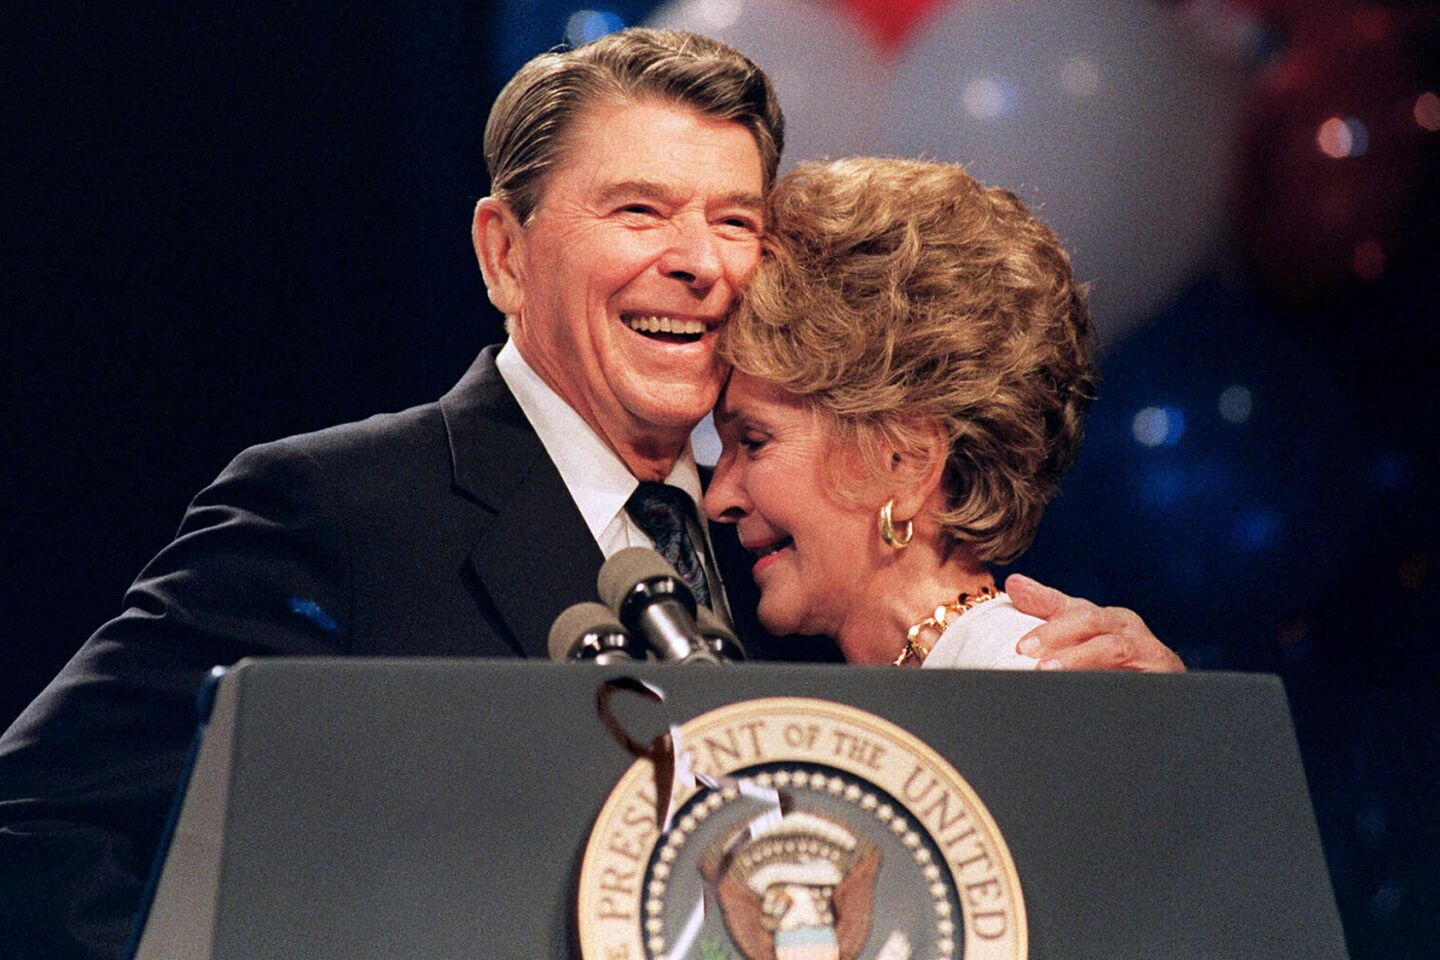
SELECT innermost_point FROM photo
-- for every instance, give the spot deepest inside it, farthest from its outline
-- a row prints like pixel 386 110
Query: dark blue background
pixel 229 225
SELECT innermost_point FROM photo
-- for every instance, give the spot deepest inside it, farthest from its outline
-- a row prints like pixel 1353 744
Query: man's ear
pixel 499 243
pixel 917 470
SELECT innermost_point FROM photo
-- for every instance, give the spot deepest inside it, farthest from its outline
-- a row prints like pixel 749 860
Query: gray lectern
pixel 439 809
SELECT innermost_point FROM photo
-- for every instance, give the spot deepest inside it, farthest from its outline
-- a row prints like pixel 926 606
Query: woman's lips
pixel 769 553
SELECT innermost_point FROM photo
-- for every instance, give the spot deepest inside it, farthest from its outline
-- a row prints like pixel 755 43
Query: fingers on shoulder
pixel 1103 652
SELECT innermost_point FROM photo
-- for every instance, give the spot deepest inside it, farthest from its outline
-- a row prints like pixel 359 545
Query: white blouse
pixel 984 638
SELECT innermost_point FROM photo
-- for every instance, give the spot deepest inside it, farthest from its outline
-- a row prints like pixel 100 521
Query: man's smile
pixel 664 327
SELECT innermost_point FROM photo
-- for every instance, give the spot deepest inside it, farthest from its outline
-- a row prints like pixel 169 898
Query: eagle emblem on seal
pixel 798 889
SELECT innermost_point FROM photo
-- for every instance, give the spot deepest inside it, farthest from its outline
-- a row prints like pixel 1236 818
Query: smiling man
pixel 628 179
pixel 617 284
pixel 627 203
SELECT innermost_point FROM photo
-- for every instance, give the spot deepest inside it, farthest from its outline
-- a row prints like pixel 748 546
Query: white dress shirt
pixel 598 480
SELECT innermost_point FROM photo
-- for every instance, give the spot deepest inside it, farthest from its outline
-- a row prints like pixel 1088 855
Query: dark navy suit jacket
pixel 443 530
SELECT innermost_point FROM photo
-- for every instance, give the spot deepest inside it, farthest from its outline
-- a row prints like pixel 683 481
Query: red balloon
pixel 890 23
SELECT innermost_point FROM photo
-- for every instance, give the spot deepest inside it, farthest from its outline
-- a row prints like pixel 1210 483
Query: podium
pixel 412 808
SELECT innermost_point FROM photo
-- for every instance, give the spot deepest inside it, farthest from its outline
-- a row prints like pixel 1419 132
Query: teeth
pixel 656 324
pixel 775 547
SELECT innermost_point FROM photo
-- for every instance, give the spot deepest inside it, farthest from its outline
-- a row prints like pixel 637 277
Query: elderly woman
pixel 912 366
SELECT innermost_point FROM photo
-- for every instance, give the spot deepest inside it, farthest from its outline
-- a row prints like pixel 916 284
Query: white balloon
pixel 827 74
pixel 1106 118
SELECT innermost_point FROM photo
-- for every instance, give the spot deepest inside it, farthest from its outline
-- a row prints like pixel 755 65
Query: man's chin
pixel 676 409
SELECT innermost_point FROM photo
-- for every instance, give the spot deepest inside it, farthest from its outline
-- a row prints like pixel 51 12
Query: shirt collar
pixel 596 477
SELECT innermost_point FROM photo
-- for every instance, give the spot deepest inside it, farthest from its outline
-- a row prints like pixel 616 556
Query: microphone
pixel 718 637
pixel 590 632
pixel 653 602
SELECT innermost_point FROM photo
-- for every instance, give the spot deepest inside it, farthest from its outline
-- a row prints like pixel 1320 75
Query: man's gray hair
pixel 525 135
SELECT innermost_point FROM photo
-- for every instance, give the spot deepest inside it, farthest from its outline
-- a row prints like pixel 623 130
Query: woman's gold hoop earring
pixel 887 528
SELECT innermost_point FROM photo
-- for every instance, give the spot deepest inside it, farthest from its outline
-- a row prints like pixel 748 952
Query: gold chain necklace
pixel 944 613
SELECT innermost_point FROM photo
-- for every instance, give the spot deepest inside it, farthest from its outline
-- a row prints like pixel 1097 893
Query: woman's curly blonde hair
pixel 897 295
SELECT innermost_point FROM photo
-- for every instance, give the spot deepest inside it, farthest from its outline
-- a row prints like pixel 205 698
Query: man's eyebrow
pixel 646 189
pixel 743 199
pixel 652 190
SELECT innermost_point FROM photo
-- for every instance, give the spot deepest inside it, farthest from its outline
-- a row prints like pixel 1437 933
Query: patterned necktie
pixel 660 510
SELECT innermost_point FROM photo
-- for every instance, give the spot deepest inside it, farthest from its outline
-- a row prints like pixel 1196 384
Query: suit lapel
pixel 536 557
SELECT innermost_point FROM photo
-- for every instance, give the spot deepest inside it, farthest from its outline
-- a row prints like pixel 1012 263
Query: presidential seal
pixel 798 830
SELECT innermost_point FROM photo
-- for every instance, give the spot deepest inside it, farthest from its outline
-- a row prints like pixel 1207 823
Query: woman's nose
pixel 724 499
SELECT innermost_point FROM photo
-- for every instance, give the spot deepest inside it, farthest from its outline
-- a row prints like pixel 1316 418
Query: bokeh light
pixel 1341 137
pixel 1334 138
pixel 1158 426
pixel 1236 404
pixel 720 14
pixel 585 26
pixel 1359 137
pixel 1427 111
pixel 987 98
